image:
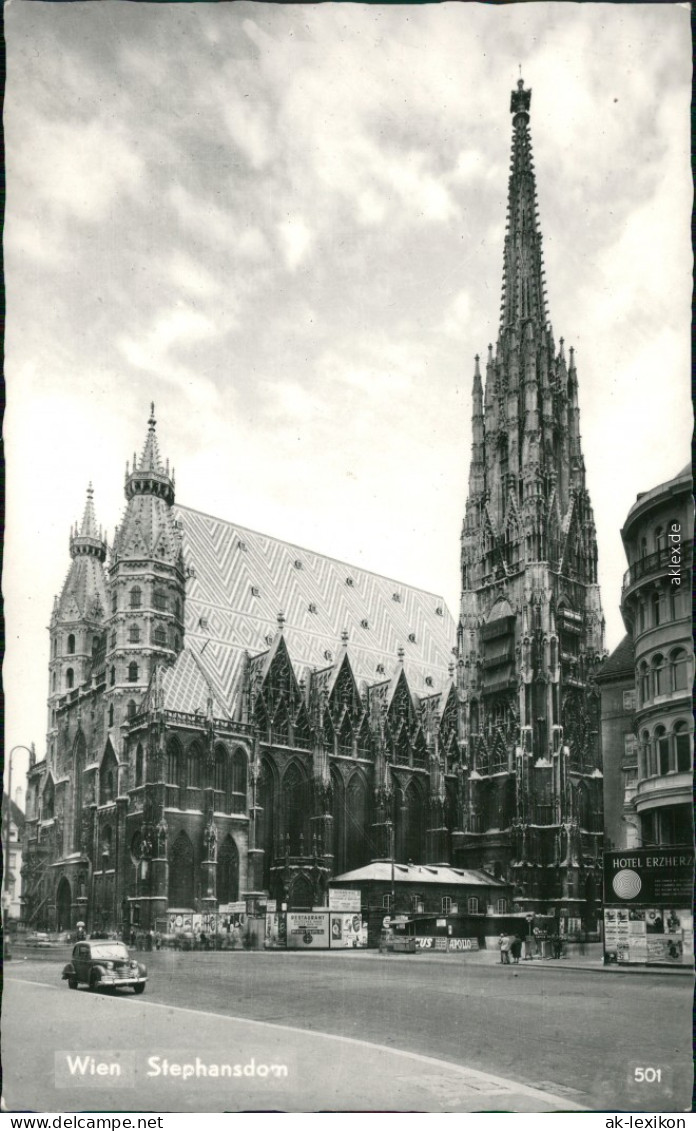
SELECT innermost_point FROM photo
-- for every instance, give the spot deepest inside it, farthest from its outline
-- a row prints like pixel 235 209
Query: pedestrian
pixel 504 945
pixel 556 946
pixel 132 936
pixel 516 949
pixel 158 940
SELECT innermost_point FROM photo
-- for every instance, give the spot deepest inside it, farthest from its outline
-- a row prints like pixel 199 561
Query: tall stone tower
pixel 531 626
pixel 77 622
pixel 145 619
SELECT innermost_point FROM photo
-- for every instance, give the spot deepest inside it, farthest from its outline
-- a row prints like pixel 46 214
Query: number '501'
pixel 647 1075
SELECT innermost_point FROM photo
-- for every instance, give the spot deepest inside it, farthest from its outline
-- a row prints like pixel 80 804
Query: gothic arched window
pixel 139 765
pixel 133 673
pixel 71 644
pixel 112 675
pixel 173 763
pixel 159 600
pixel 111 714
pixel 69 678
pixel 159 636
pixel 193 765
pixel 239 779
pixel 356 822
pixel 134 634
pixel 181 888
pixel 228 871
pixel 136 597
pixel 345 737
pixel 220 770
pixel 295 808
pixel 644 682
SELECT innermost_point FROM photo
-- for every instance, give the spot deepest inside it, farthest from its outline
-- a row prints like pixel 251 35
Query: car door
pixel 80 961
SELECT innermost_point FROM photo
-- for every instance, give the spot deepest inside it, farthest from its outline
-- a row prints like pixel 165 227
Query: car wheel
pixel 94 981
pixel 72 983
pixel 139 989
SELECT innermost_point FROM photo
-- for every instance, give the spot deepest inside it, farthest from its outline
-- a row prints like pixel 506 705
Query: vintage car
pixel 100 963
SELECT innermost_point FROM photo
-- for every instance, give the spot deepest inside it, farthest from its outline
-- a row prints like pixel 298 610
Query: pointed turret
pixel 88 538
pixel 77 620
pixel 150 476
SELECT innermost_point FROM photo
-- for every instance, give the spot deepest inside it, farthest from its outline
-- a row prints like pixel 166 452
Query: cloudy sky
pixel 284 225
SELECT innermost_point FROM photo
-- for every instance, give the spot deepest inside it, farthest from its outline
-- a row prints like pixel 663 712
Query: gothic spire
pixel 88 538
pixel 523 296
pixel 150 476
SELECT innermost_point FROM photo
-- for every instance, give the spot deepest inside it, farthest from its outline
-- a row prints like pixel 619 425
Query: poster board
pixel 647 907
pixel 347 931
pixel 307 929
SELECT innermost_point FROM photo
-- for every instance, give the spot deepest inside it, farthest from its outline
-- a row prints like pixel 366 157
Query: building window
pixel 655 602
pixel 111 714
pixel 388 902
pixel 69 678
pixel 159 636
pixel 662 750
pixel 417 903
pixel 629 700
pixel 644 682
pixel 114 602
pixel 139 765
pixel 71 644
pixel 159 600
pixel 659 539
pixel 645 760
pixel 134 634
pixel 682 746
pixel 658 669
pixel 130 708
pixel 641 616
pixel 472 905
pixel 113 639
pixel 133 673
pixel 501 906
pixel 135 597
pixel 678 670
pixel 446 904
pixel 112 676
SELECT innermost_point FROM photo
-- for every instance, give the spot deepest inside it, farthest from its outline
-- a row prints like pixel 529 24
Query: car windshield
pixel 108 950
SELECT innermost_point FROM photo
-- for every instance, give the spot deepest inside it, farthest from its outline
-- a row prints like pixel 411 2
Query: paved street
pixel 550 1037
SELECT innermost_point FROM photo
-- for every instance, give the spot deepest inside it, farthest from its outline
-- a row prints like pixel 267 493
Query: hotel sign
pixel 660 876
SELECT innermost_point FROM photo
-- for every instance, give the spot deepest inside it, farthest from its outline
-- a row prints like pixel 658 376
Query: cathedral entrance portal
pixel 64 906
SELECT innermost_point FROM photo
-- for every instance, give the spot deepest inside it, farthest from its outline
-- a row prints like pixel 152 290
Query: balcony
pixel 669 789
pixel 659 562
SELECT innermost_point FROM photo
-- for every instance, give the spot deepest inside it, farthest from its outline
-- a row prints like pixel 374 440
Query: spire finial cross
pixel 152 420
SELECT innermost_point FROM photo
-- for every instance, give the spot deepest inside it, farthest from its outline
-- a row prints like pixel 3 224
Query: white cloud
pixel 295 241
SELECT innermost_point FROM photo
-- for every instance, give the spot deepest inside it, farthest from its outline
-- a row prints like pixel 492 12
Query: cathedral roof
pixel 240 580
pixel 183 687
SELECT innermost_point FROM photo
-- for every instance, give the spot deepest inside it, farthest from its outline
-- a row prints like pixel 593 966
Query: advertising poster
pixel 307 929
pixel 344 899
pixel 658 936
pixel 348 931
pixel 276 930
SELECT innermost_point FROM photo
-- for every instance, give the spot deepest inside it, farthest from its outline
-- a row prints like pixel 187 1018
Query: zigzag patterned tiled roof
pixel 241 580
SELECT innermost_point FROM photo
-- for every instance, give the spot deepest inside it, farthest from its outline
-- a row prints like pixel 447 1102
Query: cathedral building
pixel 531 630
pixel 232 717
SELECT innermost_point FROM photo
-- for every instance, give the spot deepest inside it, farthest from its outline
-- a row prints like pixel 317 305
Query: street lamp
pixel 7 898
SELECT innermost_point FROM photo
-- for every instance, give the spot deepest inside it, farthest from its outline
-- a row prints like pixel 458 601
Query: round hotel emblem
pixel 626 884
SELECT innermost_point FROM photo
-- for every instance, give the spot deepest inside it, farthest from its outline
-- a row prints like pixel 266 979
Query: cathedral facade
pixel 232 717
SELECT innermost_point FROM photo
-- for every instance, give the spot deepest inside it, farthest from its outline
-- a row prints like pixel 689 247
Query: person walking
pixel 516 949
pixel 504 944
